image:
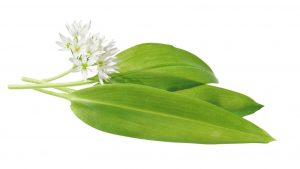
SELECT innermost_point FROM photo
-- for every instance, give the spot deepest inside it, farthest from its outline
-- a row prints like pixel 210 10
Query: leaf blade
pixel 232 101
pixel 141 114
pixel 159 65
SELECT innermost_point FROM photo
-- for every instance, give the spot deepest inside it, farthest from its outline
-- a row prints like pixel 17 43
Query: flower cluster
pixel 89 51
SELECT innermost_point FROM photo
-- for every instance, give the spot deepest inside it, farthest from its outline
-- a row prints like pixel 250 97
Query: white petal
pixel 89 24
pixel 104 76
pixel 63 38
pixel 110 44
pixel 113 51
pixel 91 69
pixel 69 29
pixel 75 61
pixel 111 64
pixel 91 61
pixel 110 70
pixel 108 58
pixel 77 69
pixel 83 58
pixel 100 80
pixel 85 29
pixel 60 44
pixel 84 74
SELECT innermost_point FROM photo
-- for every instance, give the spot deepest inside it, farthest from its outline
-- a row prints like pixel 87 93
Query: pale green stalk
pixel 49 85
pixel 59 75
pixel 64 89
pixel 61 95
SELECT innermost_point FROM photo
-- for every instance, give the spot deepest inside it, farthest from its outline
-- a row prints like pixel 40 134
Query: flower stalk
pixel 60 95
pixel 59 75
pixel 31 80
pixel 49 85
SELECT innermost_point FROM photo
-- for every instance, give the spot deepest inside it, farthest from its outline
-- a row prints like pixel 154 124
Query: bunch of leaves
pixel 161 93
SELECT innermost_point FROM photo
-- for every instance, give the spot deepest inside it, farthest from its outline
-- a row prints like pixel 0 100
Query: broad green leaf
pixel 150 113
pixel 161 66
pixel 235 102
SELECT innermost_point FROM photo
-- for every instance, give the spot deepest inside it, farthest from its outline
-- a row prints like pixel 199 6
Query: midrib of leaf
pixel 80 100
pixel 161 67
pixel 132 122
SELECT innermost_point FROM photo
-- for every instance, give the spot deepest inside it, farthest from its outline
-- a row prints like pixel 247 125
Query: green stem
pixel 49 85
pixel 59 75
pixel 64 89
pixel 60 95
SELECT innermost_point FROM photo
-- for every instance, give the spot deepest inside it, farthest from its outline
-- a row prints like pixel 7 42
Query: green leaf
pixel 154 114
pixel 235 102
pixel 161 66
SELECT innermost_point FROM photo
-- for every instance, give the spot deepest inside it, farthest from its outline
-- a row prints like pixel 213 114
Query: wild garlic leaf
pixel 232 101
pixel 161 66
pixel 149 113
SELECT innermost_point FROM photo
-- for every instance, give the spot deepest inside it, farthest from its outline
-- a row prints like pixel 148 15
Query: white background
pixel 252 46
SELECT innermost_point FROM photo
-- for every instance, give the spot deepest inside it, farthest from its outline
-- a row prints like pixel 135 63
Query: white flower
pixel 107 62
pixel 77 42
pixel 109 49
pixel 65 42
pixel 77 46
pixel 93 45
pixel 77 30
pixel 90 51
pixel 82 64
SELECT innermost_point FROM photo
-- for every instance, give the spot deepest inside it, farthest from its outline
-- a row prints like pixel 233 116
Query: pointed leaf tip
pixel 232 101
